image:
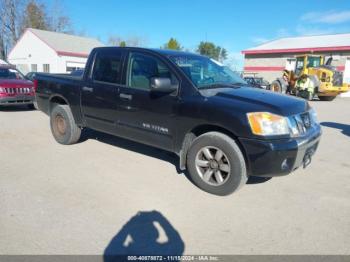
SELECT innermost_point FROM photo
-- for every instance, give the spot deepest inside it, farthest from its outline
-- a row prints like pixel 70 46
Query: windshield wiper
pixel 221 85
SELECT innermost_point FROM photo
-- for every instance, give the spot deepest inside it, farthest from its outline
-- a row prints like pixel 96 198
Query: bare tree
pixel 2 48
pixel 35 16
pixel 2 44
pixel 114 40
pixel 135 41
pixel 17 15
pixel 11 13
pixel 57 19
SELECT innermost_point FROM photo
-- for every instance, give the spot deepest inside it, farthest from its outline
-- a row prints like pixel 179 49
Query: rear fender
pixel 57 99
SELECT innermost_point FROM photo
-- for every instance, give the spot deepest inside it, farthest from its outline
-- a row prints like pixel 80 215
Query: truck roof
pixel 166 52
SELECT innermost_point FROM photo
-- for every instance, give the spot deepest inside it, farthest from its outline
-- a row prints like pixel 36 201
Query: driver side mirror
pixel 162 84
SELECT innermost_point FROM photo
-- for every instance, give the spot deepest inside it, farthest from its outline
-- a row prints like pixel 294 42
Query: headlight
pixel 268 124
pixel 2 90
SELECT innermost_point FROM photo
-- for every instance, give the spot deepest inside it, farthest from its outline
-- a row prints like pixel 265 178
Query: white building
pixel 51 52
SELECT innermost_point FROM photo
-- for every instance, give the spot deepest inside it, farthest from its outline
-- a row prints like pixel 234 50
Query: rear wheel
pixel 63 127
pixel 326 98
pixel 216 164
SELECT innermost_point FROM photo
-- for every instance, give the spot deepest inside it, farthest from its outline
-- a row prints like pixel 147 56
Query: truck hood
pixel 15 83
pixel 253 99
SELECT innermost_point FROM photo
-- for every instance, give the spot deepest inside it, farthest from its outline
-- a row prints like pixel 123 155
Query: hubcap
pixel 60 125
pixel 213 166
pixel 275 88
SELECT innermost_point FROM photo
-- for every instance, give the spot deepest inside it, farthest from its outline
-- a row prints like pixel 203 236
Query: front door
pixel 143 115
pixel 99 95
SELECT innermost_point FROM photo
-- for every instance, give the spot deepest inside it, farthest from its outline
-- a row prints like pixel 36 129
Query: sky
pixel 234 25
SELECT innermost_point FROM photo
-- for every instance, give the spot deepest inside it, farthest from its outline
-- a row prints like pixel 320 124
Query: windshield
pixel 205 72
pixel 259 81
pixel 9 73
pixel 314 61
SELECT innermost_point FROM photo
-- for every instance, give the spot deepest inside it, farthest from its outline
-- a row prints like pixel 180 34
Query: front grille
pixel 302 122
pixel 16 102
pixel 21 90
pixel 338 78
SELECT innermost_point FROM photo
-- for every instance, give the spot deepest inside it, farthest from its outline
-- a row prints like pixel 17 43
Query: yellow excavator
pixel 327 81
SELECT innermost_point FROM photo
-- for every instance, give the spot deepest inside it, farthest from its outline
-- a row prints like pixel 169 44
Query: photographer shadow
pixel 146 233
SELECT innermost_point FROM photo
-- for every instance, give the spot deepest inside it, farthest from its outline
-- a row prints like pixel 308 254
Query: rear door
pixel 99 94
pixel 143 115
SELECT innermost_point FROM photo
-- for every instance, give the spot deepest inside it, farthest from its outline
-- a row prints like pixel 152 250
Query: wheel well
pixel 200 130
pixel 57 100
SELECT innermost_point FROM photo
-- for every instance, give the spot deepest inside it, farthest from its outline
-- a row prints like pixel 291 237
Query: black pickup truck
pixel 222 130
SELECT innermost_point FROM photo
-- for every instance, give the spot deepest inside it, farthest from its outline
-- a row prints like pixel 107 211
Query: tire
pixel 326 98
pixel 277 87
pixel 231 166
pixel 306 95
pixel 63 126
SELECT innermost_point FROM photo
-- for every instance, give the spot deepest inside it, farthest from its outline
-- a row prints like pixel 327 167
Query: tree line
pixel 17 15
pixel 204 47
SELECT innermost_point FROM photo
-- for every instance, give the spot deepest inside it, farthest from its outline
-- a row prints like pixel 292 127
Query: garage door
pixel 72 66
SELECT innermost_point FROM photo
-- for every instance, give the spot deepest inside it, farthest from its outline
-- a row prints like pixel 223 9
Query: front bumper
pixel 17 100
pixel 330 90
pixel 280 157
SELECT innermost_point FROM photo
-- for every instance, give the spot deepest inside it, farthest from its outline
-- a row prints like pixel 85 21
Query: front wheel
pixel 276 87
pixel 63 126
pixel 306 95
pixel 216 164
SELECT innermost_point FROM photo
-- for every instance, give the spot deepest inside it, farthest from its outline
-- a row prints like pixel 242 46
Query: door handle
pixel 125 96
pixel 88 89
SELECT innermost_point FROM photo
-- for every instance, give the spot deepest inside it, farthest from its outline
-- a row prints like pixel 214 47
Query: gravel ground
pixel 105 193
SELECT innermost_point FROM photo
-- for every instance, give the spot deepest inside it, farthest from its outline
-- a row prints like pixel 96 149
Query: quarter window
pixel 107 67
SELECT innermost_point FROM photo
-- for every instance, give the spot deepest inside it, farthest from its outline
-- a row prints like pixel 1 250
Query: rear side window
pixel 107 67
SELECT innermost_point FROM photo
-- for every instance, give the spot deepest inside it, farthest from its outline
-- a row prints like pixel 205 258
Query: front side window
pixel 107 67
pixel 142 68
pixel 205 72
pixel 9 73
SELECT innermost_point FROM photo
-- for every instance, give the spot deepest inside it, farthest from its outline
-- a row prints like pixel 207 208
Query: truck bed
pixel 59 85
